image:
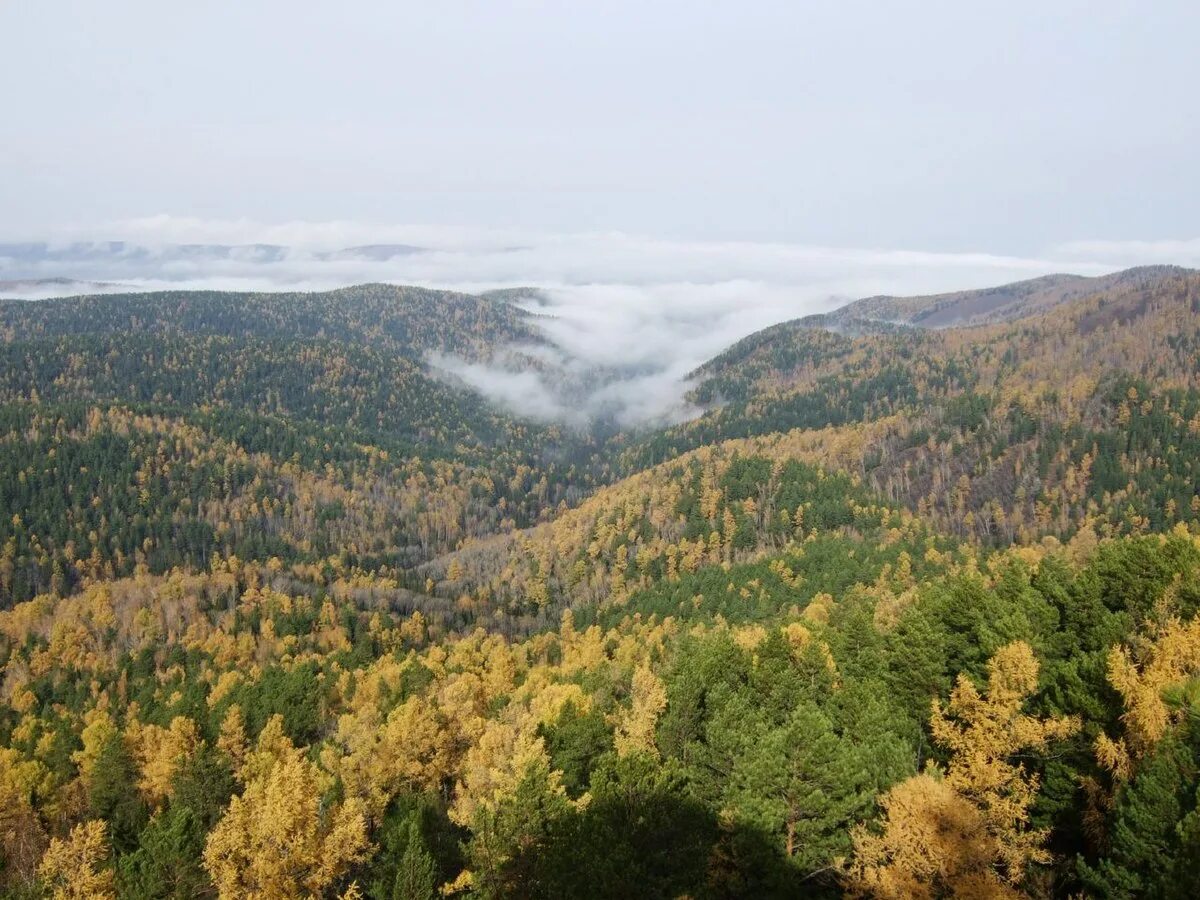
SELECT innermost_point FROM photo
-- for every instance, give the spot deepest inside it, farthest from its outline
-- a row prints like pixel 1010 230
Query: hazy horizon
pixel 627 318
pixel 673 176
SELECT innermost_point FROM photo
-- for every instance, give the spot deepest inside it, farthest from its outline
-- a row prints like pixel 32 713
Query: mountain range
pixel 916 573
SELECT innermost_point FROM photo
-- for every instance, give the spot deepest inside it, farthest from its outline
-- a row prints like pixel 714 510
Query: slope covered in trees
pixel 349 359
pixel 193 717
pixel 1084 414
pixel 911 611
pixel 159 429
pixel 989 305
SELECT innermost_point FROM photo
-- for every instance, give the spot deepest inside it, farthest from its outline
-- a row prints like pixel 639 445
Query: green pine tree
pixel 416 876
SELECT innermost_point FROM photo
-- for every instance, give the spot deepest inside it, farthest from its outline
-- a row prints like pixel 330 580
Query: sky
pixel 675 175
pixel 1004 127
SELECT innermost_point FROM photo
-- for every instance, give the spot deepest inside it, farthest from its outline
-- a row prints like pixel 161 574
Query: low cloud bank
pixel 627 318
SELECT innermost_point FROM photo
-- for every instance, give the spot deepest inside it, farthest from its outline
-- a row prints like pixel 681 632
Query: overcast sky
pixel 1004 127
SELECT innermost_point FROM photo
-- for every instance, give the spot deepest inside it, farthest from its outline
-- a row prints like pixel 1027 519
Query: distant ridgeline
pixel 908 611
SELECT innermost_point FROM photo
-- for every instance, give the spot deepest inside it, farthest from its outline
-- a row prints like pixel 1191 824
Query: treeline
pixel 406 321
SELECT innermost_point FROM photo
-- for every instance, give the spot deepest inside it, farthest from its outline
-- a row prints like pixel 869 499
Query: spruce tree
pixel 416 876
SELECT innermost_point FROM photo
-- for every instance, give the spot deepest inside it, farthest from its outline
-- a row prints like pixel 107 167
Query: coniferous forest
pixel 910 609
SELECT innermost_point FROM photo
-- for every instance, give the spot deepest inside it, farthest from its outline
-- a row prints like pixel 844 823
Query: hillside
pixel 405 320
pixel 972 429
pixel 30 288
pixel 909 610
pixel 161 429
pixel 1007 431
pixel 989 305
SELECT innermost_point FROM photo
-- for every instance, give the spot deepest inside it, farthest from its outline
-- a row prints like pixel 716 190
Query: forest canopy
pixel 906 611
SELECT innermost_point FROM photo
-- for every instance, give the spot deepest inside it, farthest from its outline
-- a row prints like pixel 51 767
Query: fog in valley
pixel 626 318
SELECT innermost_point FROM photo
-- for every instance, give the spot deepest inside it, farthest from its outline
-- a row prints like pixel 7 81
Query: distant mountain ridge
pixel 883 314
pixel 76 251
pixel 44 288
pixel 372 252
pixel 988 305
pixel 31 260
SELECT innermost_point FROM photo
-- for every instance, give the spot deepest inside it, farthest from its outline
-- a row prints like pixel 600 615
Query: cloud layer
pixel 627 317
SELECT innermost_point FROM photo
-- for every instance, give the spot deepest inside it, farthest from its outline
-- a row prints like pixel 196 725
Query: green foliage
pixel 512 845
pixel 418 850
pixel 641 835
pixel 575 742
pixel 1154 834
pixel 416 877
pixel 293 693
pixel 113 795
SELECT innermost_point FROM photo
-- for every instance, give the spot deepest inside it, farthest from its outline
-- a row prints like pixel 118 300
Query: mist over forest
pixel 627 319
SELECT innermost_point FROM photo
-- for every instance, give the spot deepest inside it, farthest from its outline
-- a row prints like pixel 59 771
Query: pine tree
pixel 1154 826
pixel 416 875
pixel 113 794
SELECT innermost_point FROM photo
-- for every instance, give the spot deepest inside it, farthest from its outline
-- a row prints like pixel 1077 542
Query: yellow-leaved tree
pixel 74 868
pixel 1169 658
pixel 279 839
pixel 965 833
pixel 22 837
pixel 160 752
pixel 635 726
pixel 411 749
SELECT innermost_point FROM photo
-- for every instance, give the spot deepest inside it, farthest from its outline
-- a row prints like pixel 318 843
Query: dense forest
pixel 909 611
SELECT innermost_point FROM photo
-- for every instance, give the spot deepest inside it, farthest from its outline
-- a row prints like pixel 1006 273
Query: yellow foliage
pixel 279 840
pixel 546 701
pixel 797 635
pixel 494 767
pixel 819 608
pixel 463 882
pixel 1170 658
pixel 232 738
pixel 935 844
pixel 748 637
pixel 414 629
pixel 412 749
pixel 890 607
pixel 98 731
pixel 272 748
pixel 635 726
pixel 159 752
pixel 983 733
pixel 225 683
pixel 74 868
pixel 967 834
pixel 583 651
pixel 22 838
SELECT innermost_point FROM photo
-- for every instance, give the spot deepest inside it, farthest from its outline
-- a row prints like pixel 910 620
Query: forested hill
pixel 162 429
pixel 909 611
pixel 1000 304
pixel 401 320
pixel 1085 412
pixel 352 359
